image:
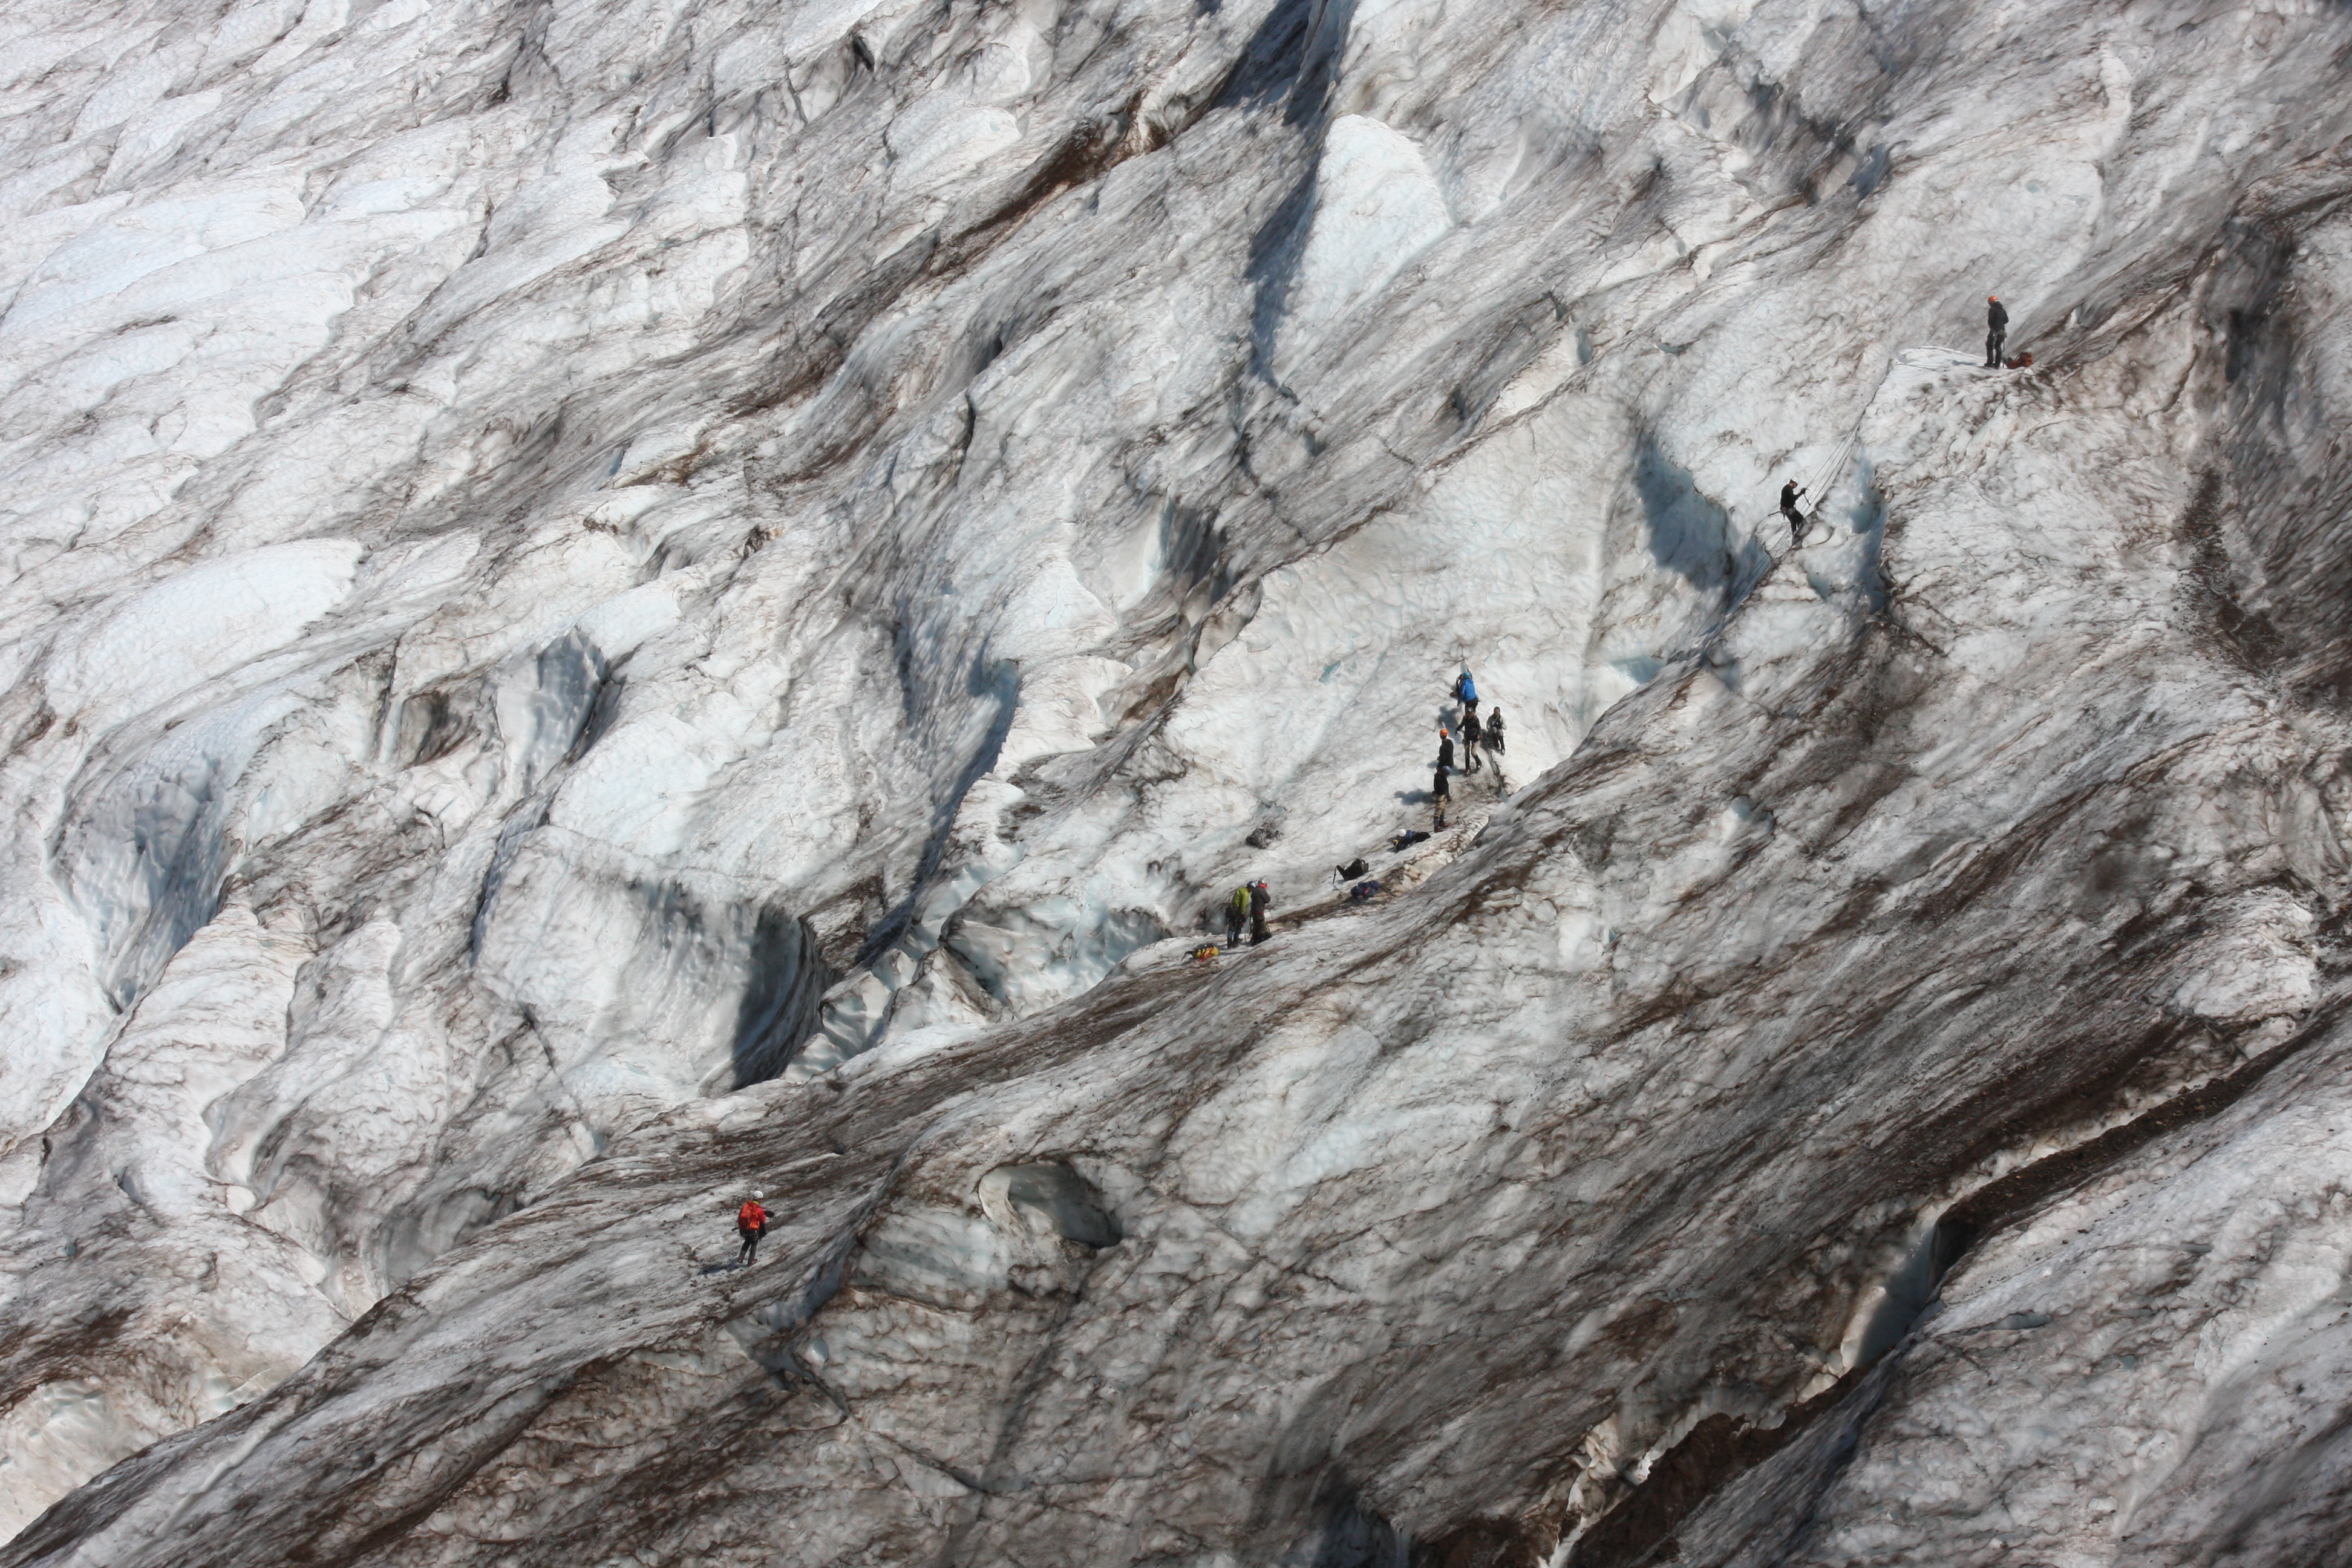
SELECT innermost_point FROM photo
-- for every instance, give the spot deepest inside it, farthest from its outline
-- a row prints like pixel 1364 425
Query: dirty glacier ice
pixel 609 604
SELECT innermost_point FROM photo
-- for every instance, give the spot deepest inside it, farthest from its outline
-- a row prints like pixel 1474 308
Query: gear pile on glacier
pixel 612 602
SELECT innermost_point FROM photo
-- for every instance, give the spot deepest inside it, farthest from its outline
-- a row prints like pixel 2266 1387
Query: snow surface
pixel 613 603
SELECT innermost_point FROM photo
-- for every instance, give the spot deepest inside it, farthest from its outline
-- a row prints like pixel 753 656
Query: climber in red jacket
pixel 751 1223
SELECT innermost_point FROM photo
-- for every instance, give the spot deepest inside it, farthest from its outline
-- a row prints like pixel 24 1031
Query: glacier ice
pixel 609 603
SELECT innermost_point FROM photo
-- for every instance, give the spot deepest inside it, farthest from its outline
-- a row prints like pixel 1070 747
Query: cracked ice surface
pixel 608 604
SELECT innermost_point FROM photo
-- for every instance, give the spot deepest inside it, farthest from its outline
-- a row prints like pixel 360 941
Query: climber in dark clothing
pixel 1495 741
pixel 1260 901
pixel 1996 329
pixel 1789 494
pixel 1440 793
pixel 1445 752
pixel 1471 736
pixel 750 1224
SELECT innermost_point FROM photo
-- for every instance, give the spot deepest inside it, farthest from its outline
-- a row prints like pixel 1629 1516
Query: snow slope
pixel 610 605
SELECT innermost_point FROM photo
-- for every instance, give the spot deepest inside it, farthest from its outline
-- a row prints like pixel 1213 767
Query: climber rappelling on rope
pixel 1797 525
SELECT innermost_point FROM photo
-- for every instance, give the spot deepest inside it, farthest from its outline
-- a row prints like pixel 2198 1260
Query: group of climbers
pixel 1245 907
pixel 1477 736
pixel 1482 743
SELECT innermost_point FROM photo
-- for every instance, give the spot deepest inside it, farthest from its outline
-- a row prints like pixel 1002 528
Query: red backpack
pixel 752 1216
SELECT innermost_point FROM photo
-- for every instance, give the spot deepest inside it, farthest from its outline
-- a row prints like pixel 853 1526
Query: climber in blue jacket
pixel 1465 691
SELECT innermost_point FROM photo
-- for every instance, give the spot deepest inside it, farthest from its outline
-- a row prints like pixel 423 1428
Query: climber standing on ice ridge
pixel 1470 739
pixel 1445 752
pixel 1996 329
pixel 1237 912
pixel 750 1224
pixel 1439 792
pixel 1260 900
